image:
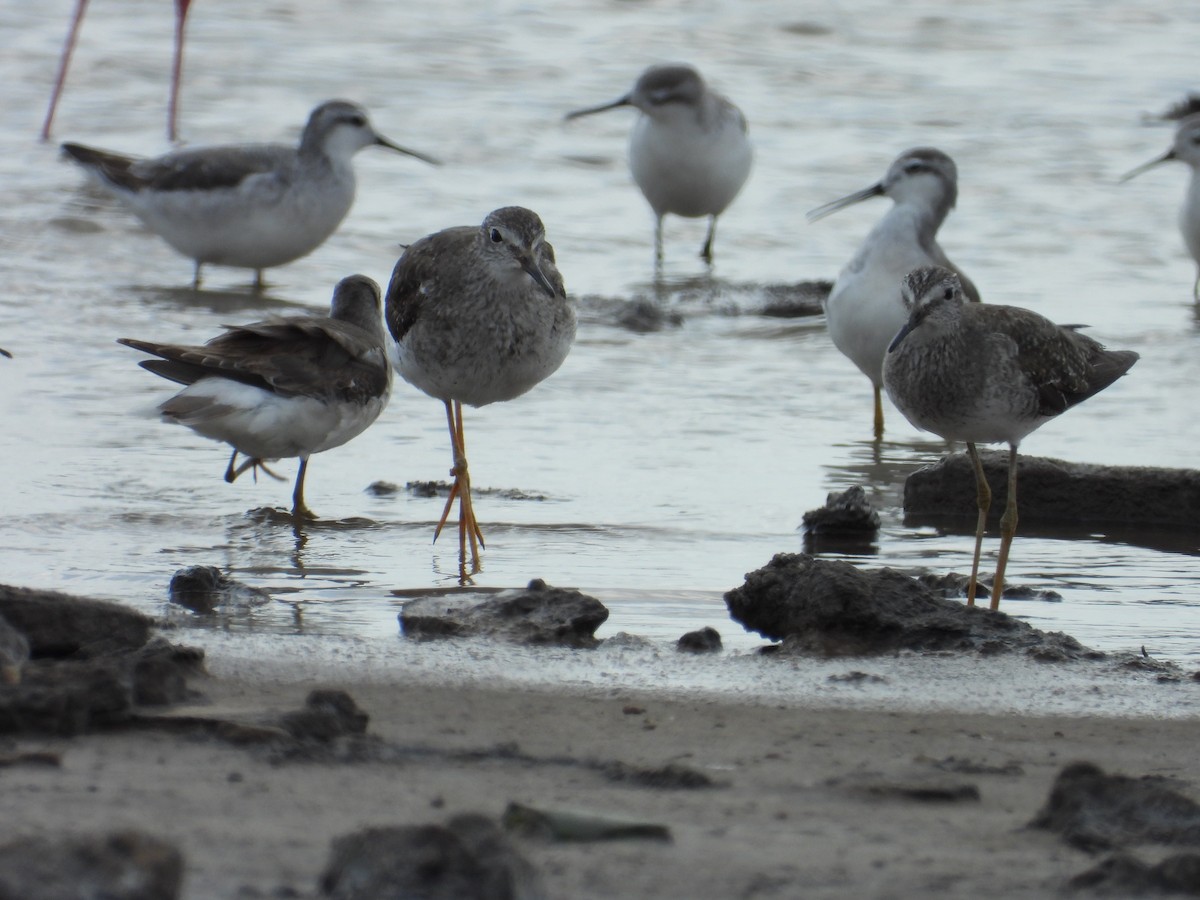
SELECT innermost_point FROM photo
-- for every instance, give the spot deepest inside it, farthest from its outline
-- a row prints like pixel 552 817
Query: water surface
pixel 669 463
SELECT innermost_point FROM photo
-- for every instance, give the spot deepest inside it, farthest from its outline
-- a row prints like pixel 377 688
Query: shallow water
pixel 671 462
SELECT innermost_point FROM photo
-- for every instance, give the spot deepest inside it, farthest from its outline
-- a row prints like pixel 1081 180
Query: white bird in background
pixel 864 310
pixel 252 206
pixel 689 150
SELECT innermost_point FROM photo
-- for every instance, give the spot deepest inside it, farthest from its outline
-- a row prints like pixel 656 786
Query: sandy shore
pixel 807 803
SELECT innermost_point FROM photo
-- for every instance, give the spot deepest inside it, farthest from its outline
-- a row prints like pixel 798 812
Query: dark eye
pixel 496 236
pixel 949 294
pixel 357 121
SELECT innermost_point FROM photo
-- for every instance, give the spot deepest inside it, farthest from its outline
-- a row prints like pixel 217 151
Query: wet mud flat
pixel 155 778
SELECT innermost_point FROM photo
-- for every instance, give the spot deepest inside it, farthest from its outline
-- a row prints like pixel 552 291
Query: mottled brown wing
pixel 309 356
pixel 429 258
pixel 1064 366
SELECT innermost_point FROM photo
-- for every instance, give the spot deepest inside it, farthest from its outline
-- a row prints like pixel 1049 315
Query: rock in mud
pixel 1122 875
pixel 703 640
pixel 14 653
pixel 538 614
pixel 327 714
pixel 1096 811
pixel 830 608
pixel 469 858
pixel 62 625
pixel 123 865
pixel 91 664
pixel 849 512
pixel 206 590
pixel 1054 491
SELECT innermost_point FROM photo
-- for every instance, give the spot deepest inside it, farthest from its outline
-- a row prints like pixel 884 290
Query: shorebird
pixel 479 315
pixel 689 151
pixel 864 310
pixel 253 206
pixel 983 373
pixel 283 387
pixel 1186 148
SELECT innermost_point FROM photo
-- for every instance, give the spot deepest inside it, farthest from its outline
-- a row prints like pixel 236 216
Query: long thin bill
pixel 384 142
pixel 623 101
pixel 1157 161
pixel 875 190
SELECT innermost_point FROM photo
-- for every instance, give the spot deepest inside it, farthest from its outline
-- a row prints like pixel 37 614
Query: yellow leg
pixel 878 413
pixel 468 527
pixel 983 500
pixel 299 509
pixel 1008 527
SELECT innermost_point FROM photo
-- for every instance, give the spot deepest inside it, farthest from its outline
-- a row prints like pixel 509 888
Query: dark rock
pixel 578 827
pixel 923 790
pixel 467 859
pixel 672 776
pixel 849 512
pixel 68 697
pixel 383 488
pixel 1125 876
pixel 122 865
pixel 206 589
pixel 539 614
pixel 92 663
pixel 643 316
pixel 327 714
pixel 831 608
pixel 1094 811
pixel 161 671
pixel 703 640
pixel 847 523
pixel 856 677
pixel 442 489
pixel 14 653
pixel 1054 491
pixel 954 584
pixel 61 625
pixel 792 301
pixel 972 767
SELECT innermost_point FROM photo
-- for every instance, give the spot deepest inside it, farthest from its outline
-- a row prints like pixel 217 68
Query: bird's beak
pixel 384 142
pixel 624 101
pixel 1157 161
pixel 900 335
pixel 875 190
pixel 530 265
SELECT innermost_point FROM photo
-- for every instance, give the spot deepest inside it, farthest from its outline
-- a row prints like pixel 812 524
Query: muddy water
pixel 664 464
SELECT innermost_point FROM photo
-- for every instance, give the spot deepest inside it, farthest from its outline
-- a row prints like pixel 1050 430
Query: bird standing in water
pixel 284 387
pixel 689 150
pixel 864 310
pixel 982 374
pixel 252 206
pixel 479 315
pixel 1186 149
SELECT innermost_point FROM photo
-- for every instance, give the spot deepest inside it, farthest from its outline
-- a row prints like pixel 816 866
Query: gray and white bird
pixel 689 151
pixel 252 206
pixel 1186 149
pixel 479 315
pixel 983 373
pixel 864 310
pixel 284 387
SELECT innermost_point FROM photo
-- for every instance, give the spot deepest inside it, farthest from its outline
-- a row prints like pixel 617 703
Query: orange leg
pixel 878 413
pixel 468 527
pixel 983 499
pixel 1008 527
